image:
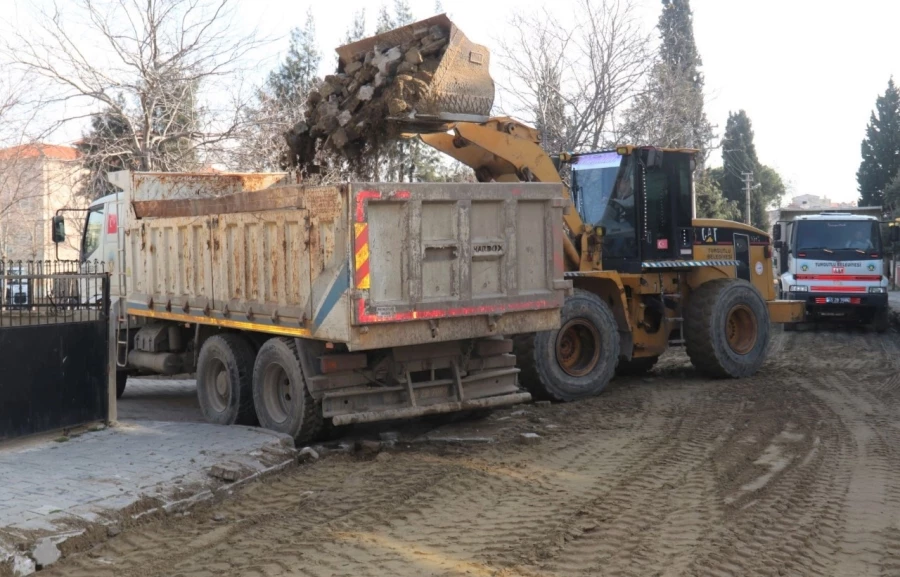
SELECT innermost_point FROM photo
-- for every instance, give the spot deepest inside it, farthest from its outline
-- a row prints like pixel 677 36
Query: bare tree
pixel 160 68
pixel 571 81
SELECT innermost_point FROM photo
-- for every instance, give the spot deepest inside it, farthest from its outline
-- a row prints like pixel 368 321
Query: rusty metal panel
pixel 437 251
pixel 261 265
pixel 153 186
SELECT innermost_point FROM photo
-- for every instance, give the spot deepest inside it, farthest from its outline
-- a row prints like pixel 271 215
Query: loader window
pixel 603 192
pixel 93 231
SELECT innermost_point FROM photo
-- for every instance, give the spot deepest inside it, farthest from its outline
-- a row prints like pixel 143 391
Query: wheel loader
pixel 646 273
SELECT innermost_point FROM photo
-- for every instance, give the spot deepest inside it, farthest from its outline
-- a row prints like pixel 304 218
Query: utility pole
pixel 748 181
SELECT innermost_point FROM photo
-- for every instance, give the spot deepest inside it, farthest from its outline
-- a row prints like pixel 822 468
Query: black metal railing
pixel 52 292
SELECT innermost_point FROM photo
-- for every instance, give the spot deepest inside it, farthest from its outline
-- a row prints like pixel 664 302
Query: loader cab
pixel 642 199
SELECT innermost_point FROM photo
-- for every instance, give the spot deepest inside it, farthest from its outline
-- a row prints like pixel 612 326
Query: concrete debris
pixel 228 472
pixel 542 404
pixel 347 113
pixel 529 438
pixel 113 531
pixel 307 454
pixel 459 440
pixel 45 553
pixel 368 447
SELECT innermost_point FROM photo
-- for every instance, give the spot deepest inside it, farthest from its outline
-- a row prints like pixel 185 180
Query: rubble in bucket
pixel 428 67
pixel 351 107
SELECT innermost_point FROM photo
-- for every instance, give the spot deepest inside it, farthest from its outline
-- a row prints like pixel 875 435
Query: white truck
pixel 834 261
pixel 296 306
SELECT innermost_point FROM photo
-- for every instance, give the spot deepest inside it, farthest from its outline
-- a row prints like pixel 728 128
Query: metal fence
pixel 52 292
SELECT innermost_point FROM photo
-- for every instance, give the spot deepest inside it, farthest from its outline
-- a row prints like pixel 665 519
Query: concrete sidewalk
pixel 51 487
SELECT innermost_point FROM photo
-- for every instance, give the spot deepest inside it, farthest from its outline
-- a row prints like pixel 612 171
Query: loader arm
pixel 505 150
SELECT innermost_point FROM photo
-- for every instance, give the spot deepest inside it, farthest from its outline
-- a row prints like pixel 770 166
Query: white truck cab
pixel 835 262
pixel 100 240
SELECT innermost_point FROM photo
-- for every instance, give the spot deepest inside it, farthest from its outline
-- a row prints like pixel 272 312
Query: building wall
pixel 31 191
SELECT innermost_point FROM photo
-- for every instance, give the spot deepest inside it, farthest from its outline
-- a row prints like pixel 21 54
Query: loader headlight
pixel 878 290
pixel 797 288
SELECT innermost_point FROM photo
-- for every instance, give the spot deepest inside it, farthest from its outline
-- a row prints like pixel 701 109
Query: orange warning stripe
pixel 362 255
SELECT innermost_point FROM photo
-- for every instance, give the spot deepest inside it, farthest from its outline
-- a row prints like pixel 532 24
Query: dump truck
pixel 647 273
pixel 833 261
pixel 296 305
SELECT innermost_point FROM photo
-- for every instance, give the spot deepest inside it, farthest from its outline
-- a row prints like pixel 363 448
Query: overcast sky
pixel 806 71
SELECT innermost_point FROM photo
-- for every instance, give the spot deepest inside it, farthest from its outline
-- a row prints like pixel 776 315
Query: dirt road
pixel 793 472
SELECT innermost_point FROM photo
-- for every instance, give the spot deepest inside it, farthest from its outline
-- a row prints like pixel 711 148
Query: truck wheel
pixel 727 329
pixel 121 379
pixel 635 367
pixel 224 373
pixel 282 400
pixel 578 359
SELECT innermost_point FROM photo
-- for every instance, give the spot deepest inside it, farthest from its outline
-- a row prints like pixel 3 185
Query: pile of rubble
pixel 348 113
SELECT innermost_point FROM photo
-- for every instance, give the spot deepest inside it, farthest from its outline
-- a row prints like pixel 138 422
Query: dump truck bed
pixel 368 265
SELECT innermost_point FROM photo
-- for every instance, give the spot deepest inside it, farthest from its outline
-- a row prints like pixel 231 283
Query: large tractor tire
pixel 727 329
pixel 578 359
pixel 635 367
pixel 224 380
pixel 282 400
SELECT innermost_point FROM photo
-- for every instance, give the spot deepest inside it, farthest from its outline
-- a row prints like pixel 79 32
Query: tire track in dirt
pixel 665 475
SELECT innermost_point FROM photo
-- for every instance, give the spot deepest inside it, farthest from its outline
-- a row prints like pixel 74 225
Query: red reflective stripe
pixel 858 277
pixel 361 197
pixel 838 289
pixel 363 317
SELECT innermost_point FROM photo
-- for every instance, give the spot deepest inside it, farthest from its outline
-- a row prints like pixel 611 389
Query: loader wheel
pixel 578 359
pixel 282 400
pixel 224 373
pixel 635 367
pixel 727 329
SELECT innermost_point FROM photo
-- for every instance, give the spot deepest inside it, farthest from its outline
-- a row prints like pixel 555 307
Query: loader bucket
pixel 461 88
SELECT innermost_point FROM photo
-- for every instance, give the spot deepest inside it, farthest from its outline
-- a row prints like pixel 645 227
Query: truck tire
pixel 578 359
pixel 635 367
pixel 224 380
pixel 282 400
pixel 121 379
pixel 727 329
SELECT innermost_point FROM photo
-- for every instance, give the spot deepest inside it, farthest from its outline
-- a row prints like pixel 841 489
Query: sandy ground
pixel 792 472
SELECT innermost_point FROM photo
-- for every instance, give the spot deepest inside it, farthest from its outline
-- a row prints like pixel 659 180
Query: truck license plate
pixel 838 300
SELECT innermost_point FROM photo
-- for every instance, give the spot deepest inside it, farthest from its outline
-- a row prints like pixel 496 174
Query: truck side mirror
pixel 779 245
pixel 59 229
pixel 776 232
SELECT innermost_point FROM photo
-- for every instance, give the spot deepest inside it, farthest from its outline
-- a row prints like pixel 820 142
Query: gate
pixel 54 336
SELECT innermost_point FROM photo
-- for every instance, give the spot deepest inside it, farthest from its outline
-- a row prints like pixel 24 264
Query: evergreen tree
pixel 711 203
pixel 892 197
pixel 292 81
pixel 880 148
pixel 739 157
pixel 402 13
pixel 100 153
pixel 385 21
pixel 670 112
pixel 357 29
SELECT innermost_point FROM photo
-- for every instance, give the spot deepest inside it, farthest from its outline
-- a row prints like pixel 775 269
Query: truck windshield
pixel 603 192
pixel 861 236
pixel 92 232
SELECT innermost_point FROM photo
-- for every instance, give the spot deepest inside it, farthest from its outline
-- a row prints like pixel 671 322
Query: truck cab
pixel 99 241
pixel 834 261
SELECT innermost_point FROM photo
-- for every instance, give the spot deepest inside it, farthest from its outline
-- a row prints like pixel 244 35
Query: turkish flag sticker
pixel 662 244
pixel 112 224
